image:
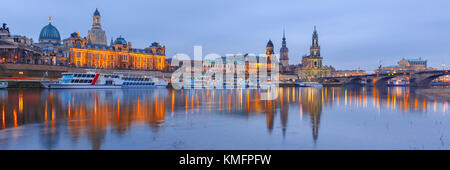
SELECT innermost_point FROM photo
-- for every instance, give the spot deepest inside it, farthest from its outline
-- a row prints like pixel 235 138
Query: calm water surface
pixel 300 118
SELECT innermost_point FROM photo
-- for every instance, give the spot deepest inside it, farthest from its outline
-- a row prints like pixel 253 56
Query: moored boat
pixel 3 84
pixel 309 84
pixel 92 80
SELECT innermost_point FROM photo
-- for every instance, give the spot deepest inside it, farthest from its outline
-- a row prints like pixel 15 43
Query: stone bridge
pixel 418 79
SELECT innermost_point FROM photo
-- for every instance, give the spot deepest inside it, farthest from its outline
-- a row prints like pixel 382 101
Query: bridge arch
pixel 423 79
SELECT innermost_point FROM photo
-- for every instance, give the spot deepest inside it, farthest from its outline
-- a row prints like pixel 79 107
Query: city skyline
pixel 362 40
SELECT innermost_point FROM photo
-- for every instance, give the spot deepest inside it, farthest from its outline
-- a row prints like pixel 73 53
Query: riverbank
pixel 438 92
pixel 50 71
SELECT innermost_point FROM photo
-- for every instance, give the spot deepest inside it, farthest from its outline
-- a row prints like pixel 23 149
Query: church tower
pixel 314 60
pixel 284 58
pixel 96 19
pixel 97 35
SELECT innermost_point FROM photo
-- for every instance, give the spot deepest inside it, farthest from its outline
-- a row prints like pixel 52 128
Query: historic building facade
pixel 284 54
pixel 311 66
pixel 97 35
pixel 93 51
pixel 405 65
pixel 17 49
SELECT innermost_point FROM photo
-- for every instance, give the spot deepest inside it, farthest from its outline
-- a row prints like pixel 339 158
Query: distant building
pixel 270 54
pixel 97 35
pixel 93 52
pixel 405 65
pixel 311 66
pixel 17 49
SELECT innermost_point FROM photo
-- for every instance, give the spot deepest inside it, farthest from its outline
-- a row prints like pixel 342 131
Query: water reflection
pixel 94 114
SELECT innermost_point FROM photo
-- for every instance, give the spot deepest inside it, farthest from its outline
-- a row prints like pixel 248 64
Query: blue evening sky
pixel 352 34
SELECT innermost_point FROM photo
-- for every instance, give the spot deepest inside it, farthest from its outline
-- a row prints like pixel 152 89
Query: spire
pixel 49 19
pixel 269 44
pixel 96 12
pixel 315 48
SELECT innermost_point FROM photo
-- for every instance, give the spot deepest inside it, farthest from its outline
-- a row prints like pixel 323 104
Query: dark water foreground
pixel 300 118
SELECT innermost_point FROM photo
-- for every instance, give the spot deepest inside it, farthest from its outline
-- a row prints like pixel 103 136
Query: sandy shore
pixel 441 93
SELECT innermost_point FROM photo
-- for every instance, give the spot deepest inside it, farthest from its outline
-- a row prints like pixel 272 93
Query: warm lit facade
pixel 405 65
pixel 16 49
pixel 50 43
pixel 120 55
pixel 284 55
pixel 93 52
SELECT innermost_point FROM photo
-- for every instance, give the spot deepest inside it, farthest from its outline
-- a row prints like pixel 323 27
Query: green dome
pixel 49 32
pixel 270 44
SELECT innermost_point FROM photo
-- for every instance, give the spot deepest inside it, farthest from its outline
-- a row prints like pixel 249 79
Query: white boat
pixel 234 83
pixel 398 82
pixel 309 84
pixel 92 80
pixel 133 80
pixel 161 83
pixel 3 84
pixel 199 82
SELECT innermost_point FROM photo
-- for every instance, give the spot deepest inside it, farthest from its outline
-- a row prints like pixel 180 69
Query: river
pixel 300 118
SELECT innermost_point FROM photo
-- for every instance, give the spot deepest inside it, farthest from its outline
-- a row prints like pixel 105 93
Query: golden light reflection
pixel 15 117
pixel 68 110
pixel 3 116
pixel 20 101
pixel 93 113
